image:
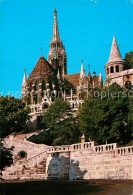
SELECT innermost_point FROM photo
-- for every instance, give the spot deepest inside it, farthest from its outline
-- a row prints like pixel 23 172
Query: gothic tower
pixel 57 55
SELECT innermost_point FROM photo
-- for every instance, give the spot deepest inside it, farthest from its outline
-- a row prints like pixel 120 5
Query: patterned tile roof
pixel 42 68
pixel 73 79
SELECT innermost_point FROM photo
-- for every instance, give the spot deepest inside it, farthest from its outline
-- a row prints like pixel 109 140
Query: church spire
pixel 82 73
pixel 115 53
pixel 55 29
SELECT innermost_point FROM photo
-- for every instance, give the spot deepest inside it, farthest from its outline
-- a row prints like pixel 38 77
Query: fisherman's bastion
pixel 84 160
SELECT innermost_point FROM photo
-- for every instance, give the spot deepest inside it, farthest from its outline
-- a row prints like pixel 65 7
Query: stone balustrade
pixel 124 151
pixel 52 149
pixel 104 148
pixel 86 145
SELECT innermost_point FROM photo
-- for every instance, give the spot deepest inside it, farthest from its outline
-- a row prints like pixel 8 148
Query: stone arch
pixel 45 105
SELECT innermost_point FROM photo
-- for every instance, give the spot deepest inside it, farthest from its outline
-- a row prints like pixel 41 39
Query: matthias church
pixel 49 79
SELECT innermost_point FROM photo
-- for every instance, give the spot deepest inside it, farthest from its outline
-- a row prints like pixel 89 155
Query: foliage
pixel 128 60
pixel 109 117
pixel 63 128
pixel 57 111
pixel 13 115
pixel 5 156
pixel 64 132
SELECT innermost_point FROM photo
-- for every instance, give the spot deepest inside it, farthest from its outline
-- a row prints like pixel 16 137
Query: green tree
pixel 63 128
pixel 6 158
pixel 128 60
pixel 58 110
pixel 13 115
pixel 107 118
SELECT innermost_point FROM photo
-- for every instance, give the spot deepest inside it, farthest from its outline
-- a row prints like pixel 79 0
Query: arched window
pixel 43 85
pixel 29 98
pixel 111 69
pixel 117 68
pixel 30 86
pixel 50 85
pixel 35 98
pixel 36 86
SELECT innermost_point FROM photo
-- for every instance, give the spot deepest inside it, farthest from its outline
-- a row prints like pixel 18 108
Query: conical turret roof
pixel 115 53
pixel 42 68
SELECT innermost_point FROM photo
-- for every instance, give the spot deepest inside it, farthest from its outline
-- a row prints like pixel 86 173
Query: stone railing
pixel 86 145
pixel 52 149
pixel 124 150
pixel 105 148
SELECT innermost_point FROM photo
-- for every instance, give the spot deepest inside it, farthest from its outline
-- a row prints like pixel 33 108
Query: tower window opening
pixel 117 68
pixel 112 69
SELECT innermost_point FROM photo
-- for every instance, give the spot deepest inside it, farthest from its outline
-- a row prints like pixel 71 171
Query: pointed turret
pixel 24 78
pixel 115 53
pixel 55 29
pixel 115 64
pixel 100 79
pixel 82 72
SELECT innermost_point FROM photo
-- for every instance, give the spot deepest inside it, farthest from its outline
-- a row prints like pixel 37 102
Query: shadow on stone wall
pixel 75 171
pixel 60 167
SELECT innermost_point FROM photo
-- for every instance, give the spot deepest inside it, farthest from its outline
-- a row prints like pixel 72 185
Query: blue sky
pixel 85 26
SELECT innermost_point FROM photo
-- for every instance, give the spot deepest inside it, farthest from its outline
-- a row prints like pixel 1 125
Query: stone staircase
pixel 33 168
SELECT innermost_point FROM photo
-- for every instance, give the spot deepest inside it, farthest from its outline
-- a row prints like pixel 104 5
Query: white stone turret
pixel 82 72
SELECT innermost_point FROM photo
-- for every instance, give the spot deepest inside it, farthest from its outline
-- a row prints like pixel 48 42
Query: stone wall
pixel 88 161
pixel 83 160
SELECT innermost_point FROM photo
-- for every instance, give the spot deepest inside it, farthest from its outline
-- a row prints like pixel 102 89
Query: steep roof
pixel 73 79
pixel 42 68
pixel 115 53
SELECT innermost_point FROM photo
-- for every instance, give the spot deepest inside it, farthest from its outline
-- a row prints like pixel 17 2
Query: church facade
pixel 49 78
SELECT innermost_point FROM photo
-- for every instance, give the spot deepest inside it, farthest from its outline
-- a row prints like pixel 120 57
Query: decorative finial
pixel 89 67
pixel 82 61
pixel 41 51
pixel 55 12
